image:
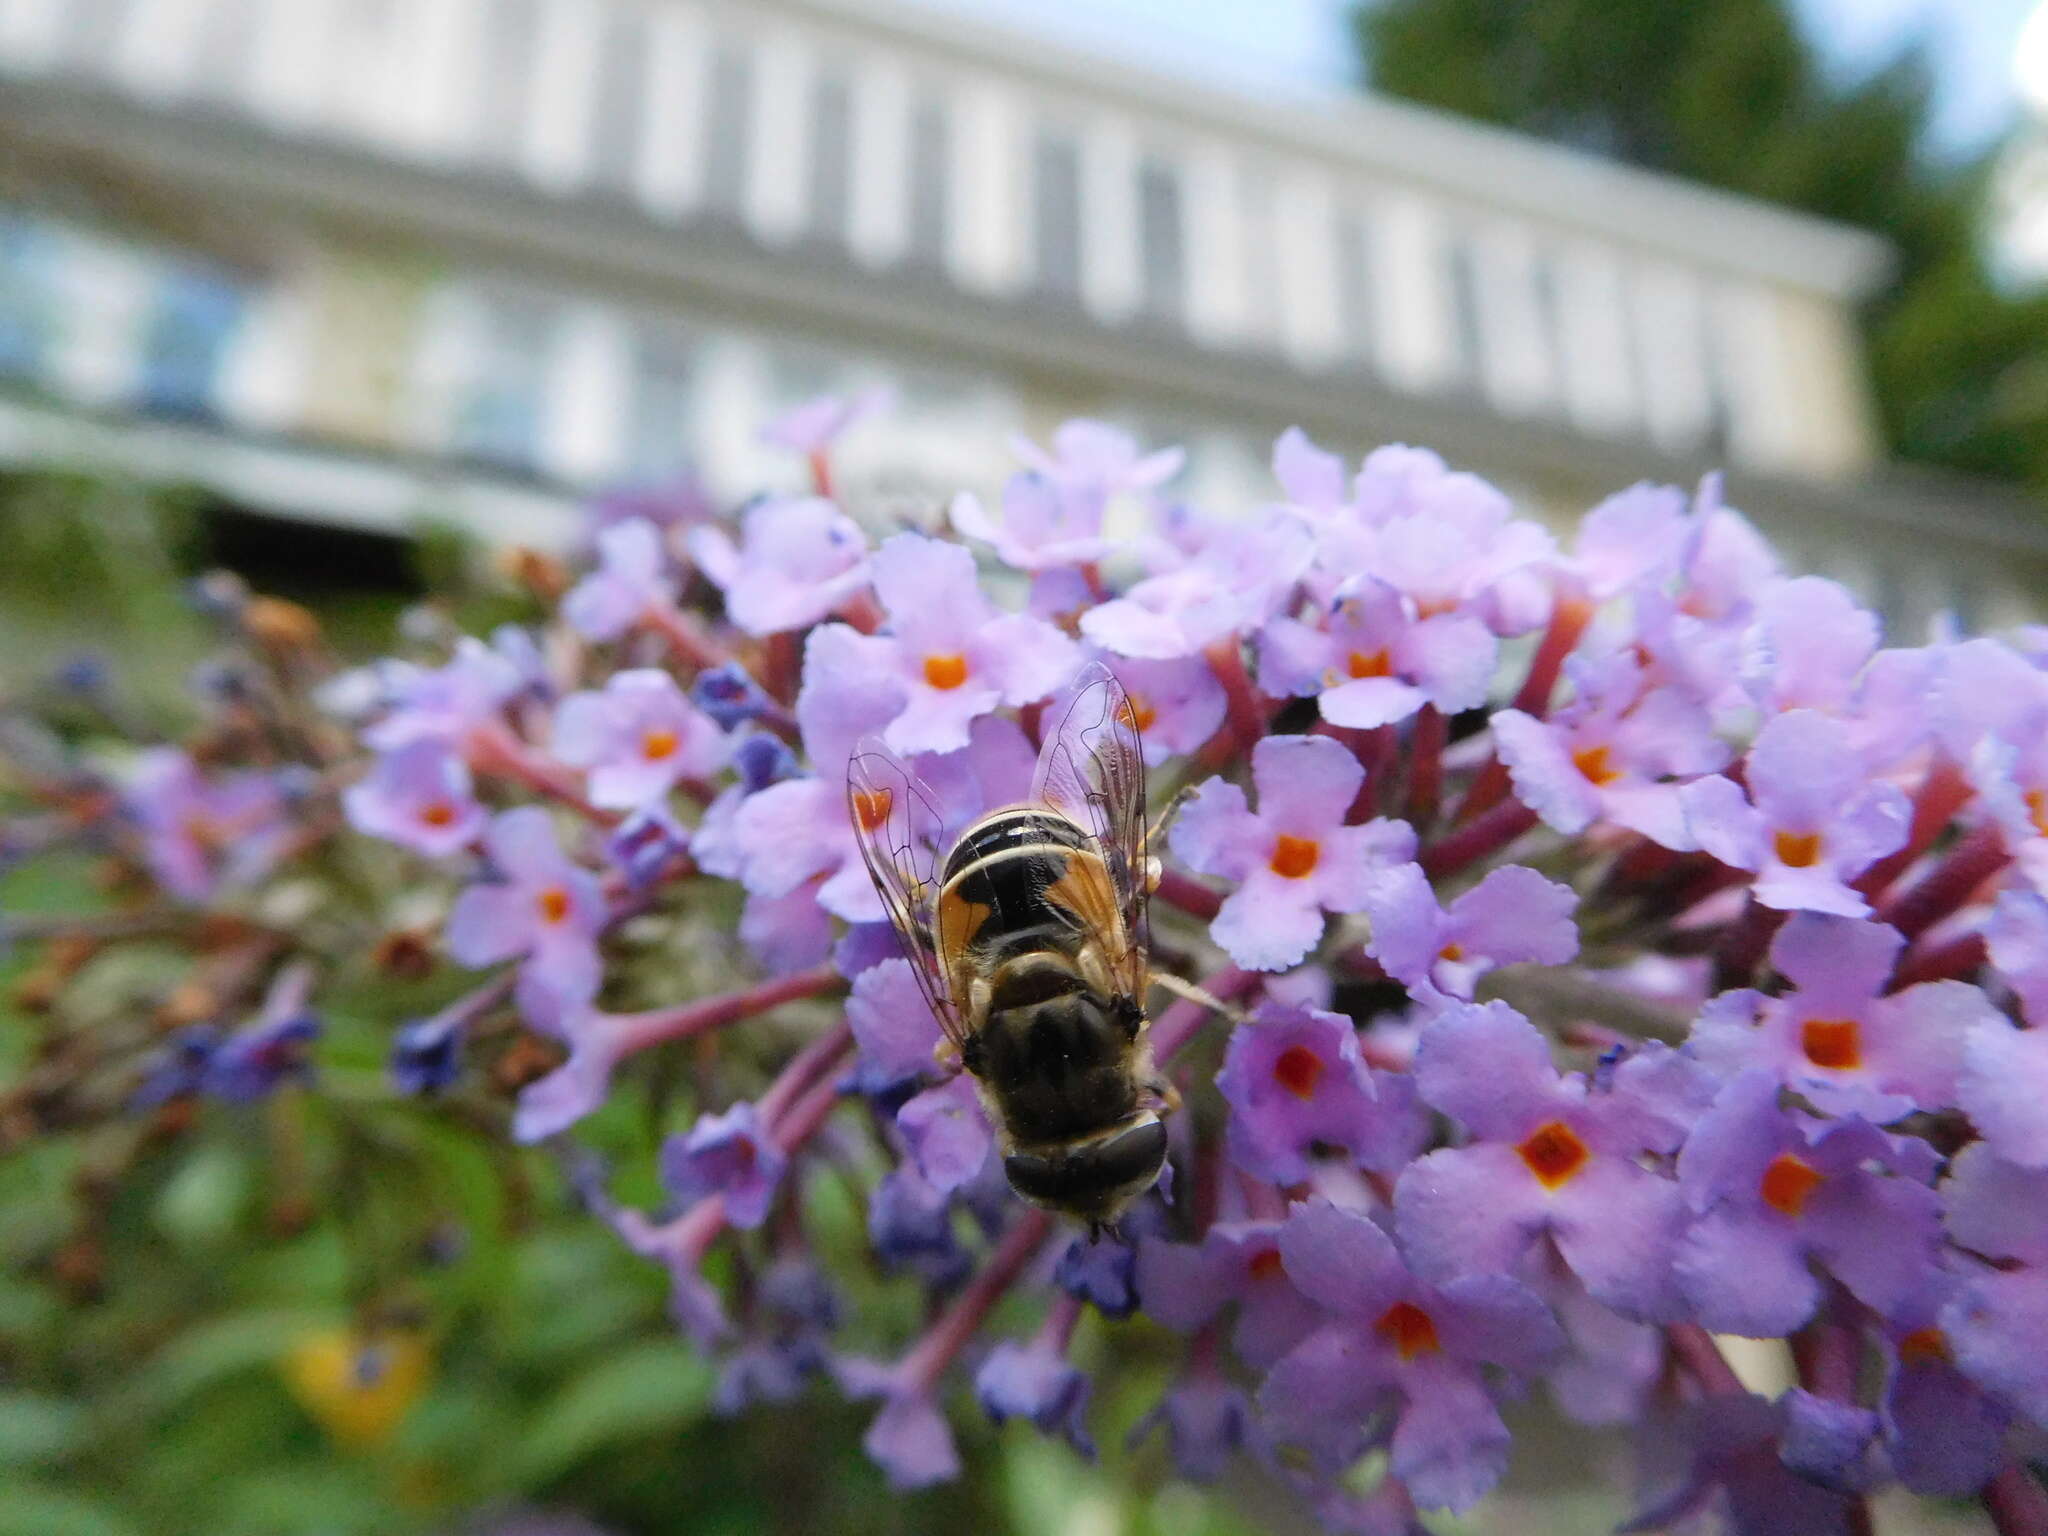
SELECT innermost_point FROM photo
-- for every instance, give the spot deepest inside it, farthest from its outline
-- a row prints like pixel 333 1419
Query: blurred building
pixel 368 260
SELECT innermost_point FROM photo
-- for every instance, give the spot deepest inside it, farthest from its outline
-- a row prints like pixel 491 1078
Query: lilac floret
pixel 1296 1083
pixel 726 1154
pixel 632 580
pixel 1207 1422
pixel 798 560
pixel 418 797
pixel 1999 1316
pixel 545 909
pixel 1185 1285
pixel 1375 658
pixel 637 739
pixel 1294 858
pixel 1512 916
pixel 1032 1381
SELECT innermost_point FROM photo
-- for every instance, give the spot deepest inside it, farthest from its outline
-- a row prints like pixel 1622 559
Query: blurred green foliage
pixel 1728 92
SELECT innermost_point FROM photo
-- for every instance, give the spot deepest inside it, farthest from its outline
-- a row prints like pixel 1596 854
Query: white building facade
pixel 367 260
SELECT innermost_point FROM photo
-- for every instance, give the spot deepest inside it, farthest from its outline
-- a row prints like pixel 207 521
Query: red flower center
pixel 1787 1183
pixel 1376 664
pixel 945 671
pixel 1924 1346
pixel 871 807
pixel 1593 763
pixel 1298 1069
pixel 439 814
pixel 2037 810
pixel 1295 857
pixel 1141 714
pixel 1554 1153
pixel 1797 850
pixel 656 745
pixel 1409 1329
pixel 553 904
pixel 1832 1043
pixel 1266 1265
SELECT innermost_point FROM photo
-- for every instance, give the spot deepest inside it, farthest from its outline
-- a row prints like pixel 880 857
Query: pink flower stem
pixel 1744 945
pixel 929 1357
pixel 1426 765
pixel 1949 884
pixel 1057 1331
pixel 2016 1503
pixel 1957 960
pixel 637 1031
pixel 801 1120
pixel 1695 1349
pixel 1246 721
pixel 1477 839
pixel 1190 895
pixel 821 472
pixel 862 612
pixel 1175 1027
pixel 684 637
pixel 1567 622
pixel 783 666
pixel 492 749
pixel 1945 791
pixel 806 1067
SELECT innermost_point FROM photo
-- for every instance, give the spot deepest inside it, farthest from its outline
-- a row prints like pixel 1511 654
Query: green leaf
pixel 29 1510
pixel 642 1391
pixel 37 1428
pixel 209 1354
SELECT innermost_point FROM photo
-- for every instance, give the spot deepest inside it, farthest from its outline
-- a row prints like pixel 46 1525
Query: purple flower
pixel 2012 777
pixel 910 1224
pixel 1376 658
pixel 2017 935
pixel 1207 1422
pixel 631 580
pixel 1836 1037
pixel 1607 754
pixel 444 703
pixel 1400 1346
pixel 951 656
pixel 545 908
pixel 1179 704
pixel 1731 1448
pixel 1239 579
pixel 1613 1364
pixel 201 834
pixel 1035 1382
pixel 646 845
pixel 677 502
pixel 1811 819
pixel 798 559
pixel 1313 479
pixel 893 1027
pixel 1045 525
pixel 909 1439
pixel 1810 643
pixel 178 1071
pixel 426 1054
pixel 727 1154
pixel 1102 1270
pixel 948 1132
pixel 418 797
pixel 1091 457
pixel 1551 1156
pixel 1635 539
pixel 1775 1192
pixel 1512 916
pixel 1945 1435
pixel 1295 1081
pixel 1294 858
pixel 637 739
pixel 813 426
pixel 1999 1316
pixel 1185 1285
pixel 730 697
pixel 255 1062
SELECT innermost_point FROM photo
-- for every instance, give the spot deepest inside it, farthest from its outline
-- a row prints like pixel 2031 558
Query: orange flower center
pixel 1378 664
pixel 1924 1346
pixel 1832 1043
pixel 554 904
pixel 1787 1183
pixel 871 807
pixel 945 671
pixel 1266 1265
pixel 1409 1329
pixel 2037 810
pixel 1453 952
pixel 1592 762
pixel 1295 857
pixel 439 814
pixel 656 745
pixel 1797 850
pixel 1298 1070
pixel 1554 1153
pixel 1140 714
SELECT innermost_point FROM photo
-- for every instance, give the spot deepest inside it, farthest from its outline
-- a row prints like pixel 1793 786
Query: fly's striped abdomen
pixel 1021 881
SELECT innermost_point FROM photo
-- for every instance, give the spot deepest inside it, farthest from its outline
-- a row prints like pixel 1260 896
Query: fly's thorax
pixel 1061 1060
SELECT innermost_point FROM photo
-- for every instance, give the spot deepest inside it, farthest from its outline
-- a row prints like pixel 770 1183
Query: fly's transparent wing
pixel 1092 771
pixel 900 830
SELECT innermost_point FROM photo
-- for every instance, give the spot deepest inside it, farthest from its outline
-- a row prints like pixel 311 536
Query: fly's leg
pixel 1194 994
pixel 1156 836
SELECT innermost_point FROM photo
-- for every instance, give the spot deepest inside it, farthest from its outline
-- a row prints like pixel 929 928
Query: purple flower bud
pixel 726 1154
pixel 426 1055
pixel 1031 1381
pixel 729 696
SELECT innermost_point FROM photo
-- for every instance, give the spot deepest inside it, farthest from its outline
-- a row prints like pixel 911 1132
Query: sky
pixel 1277 45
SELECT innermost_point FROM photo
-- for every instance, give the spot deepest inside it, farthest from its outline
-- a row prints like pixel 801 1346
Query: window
pixel 499 418
pixel 1162 253
pixel 1056 210
pixel 928 178
pixel 663 418
pixel 194 316
pixel 1261 269
pixel 621 97
pixel 1355 318
pixel 727 124
pixel 511 50
pixel 831 189
pixel 1467 327
pixel 29 262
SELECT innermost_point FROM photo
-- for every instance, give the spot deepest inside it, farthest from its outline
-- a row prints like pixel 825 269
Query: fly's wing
pixel 1092 771
pixel 900 830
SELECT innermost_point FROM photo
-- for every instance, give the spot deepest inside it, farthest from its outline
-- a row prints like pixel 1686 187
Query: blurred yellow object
pixel 358 1384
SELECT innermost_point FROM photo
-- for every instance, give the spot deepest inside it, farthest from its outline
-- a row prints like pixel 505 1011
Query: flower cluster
pixel 1608 944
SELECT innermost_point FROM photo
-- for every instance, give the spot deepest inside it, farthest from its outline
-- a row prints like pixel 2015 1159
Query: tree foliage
pixel 1730 93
